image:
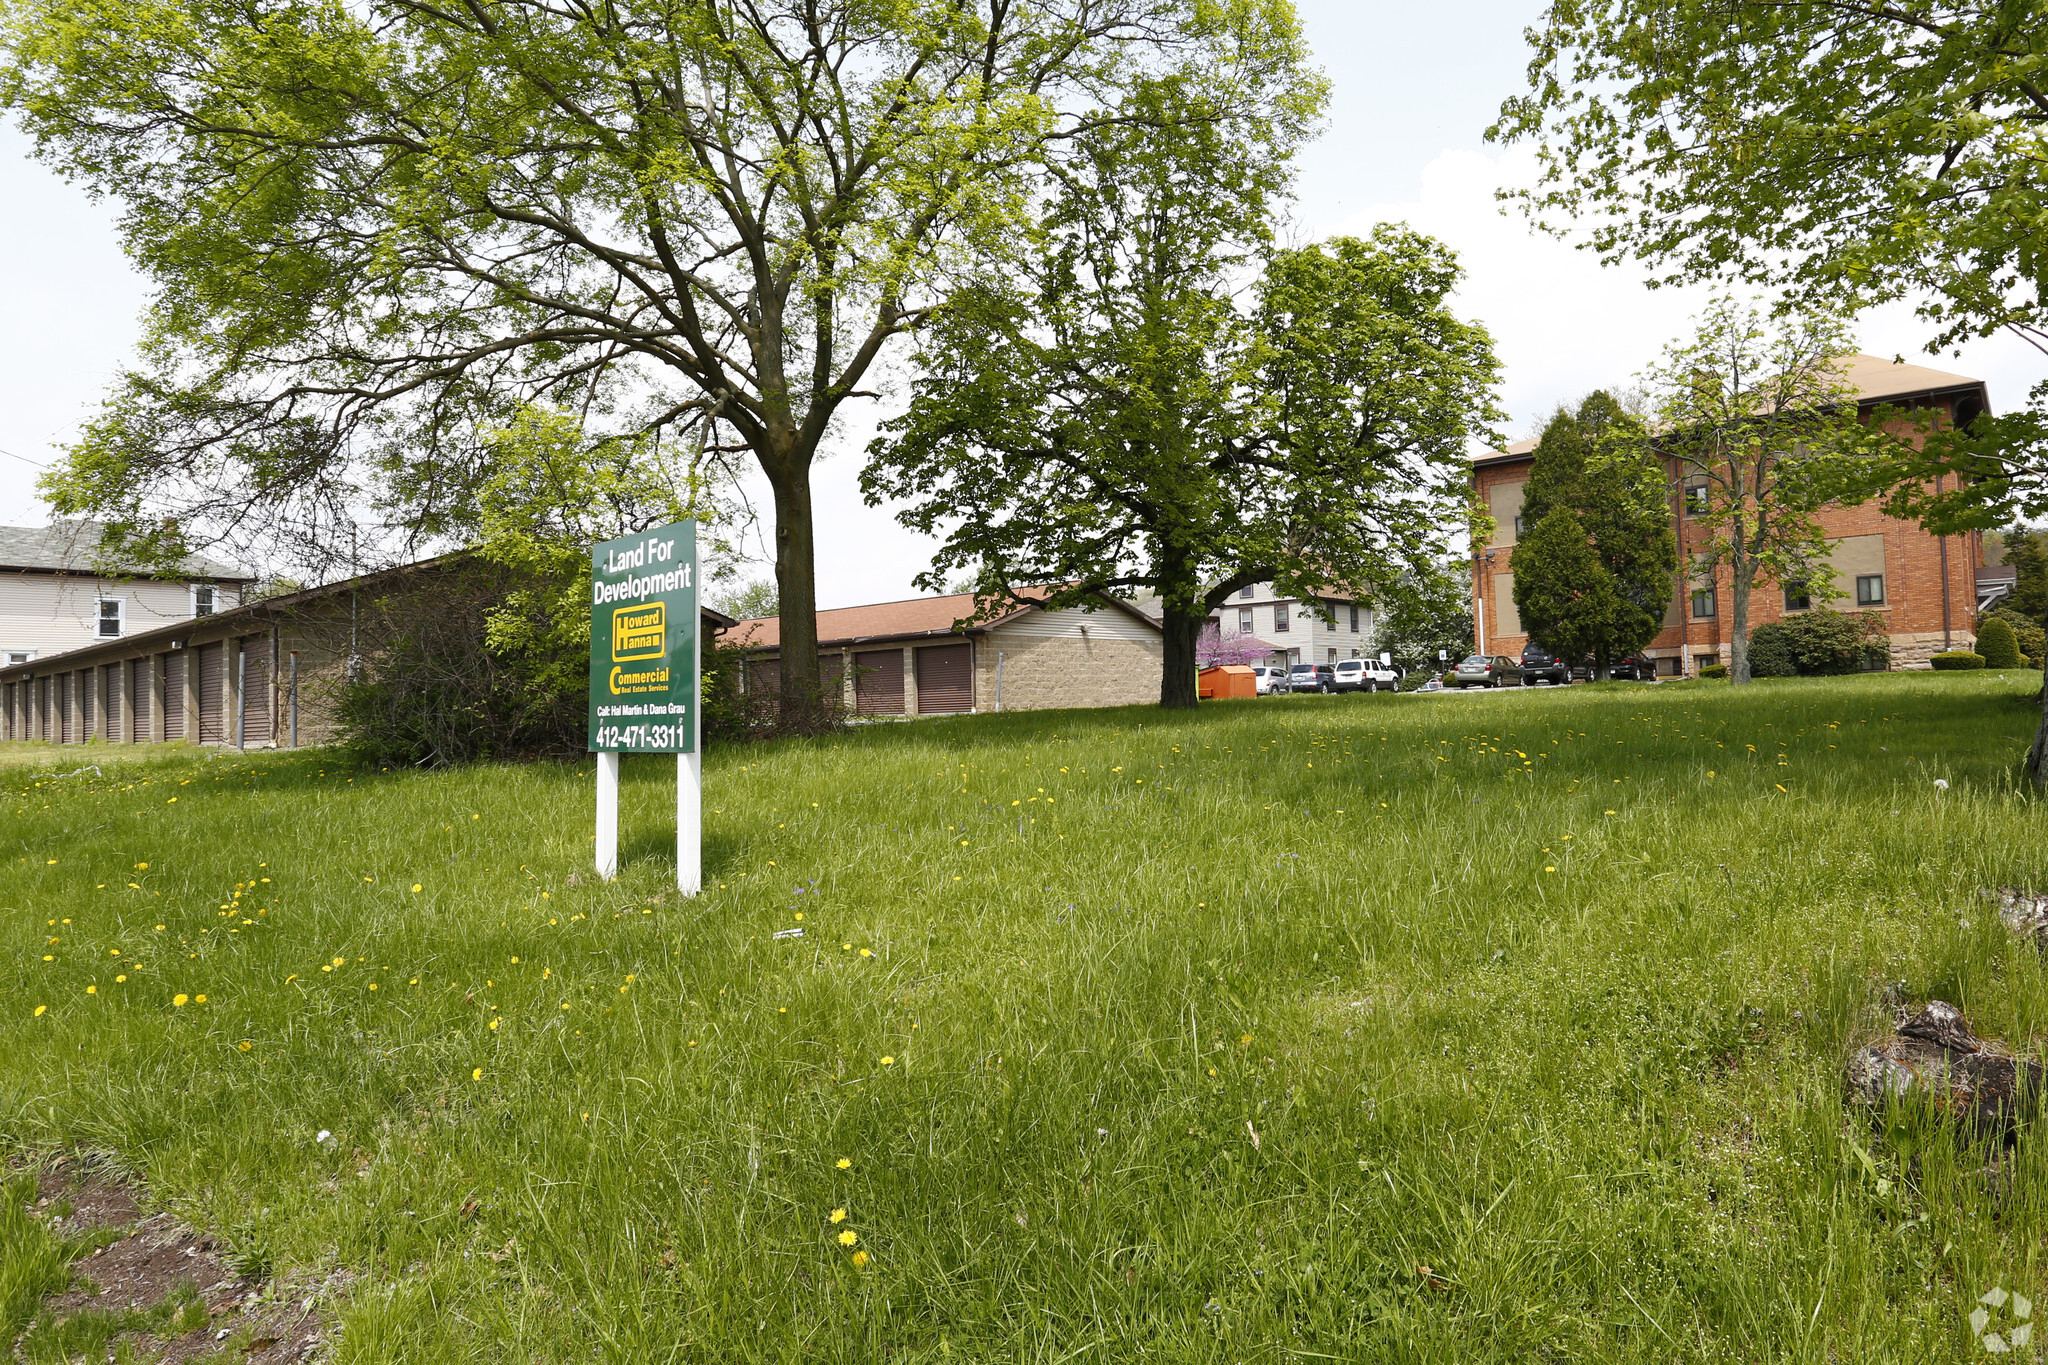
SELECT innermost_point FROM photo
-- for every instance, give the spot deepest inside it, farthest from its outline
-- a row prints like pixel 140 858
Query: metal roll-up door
pixel 173 666
pixel 945 679
pixel 212 702
pixel 88 683
pixel 764 675
pixel 67 708
pixel 110 688
pixel 878 682
pixel 139 697
pixel 255 693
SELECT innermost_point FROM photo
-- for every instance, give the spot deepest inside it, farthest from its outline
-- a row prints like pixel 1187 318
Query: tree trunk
pixel 1177 685
pixel 796 587
pixel 1603 668
pixel 2037 757
pixel 1741 578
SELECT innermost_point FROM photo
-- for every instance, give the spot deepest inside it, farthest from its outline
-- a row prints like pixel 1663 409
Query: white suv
pixel 1366 675
pixel 1265 677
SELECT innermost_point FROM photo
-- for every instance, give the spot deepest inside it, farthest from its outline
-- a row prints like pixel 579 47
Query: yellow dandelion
pixel 477 1074
pixel 415 886
pixel 179 1001
pixel 515 962
pixel 848 1237
pixel 860 1258
pixel 373 985
pixel 142 867
pixel 244 1045
pixel 121 978
pixel 41 1010
pixel 198 999
pixel 867 952
pixel 496 1022
pixel 341 962
pixel 92 990
pixel 844 1163
pixel 888 1061
pixel 839 1215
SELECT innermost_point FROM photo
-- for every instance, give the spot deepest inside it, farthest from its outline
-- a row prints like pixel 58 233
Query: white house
pixel 54 597
pixel 1302 630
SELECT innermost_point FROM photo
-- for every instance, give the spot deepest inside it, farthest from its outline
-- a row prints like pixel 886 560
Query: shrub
pixel 1998 643
pixel 2033 640
pixel 1771 652
pixel 1826 643
pixel 1714 670
pixel 1956 660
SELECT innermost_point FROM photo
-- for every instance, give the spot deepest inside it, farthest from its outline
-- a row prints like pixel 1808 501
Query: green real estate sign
pixel 643 642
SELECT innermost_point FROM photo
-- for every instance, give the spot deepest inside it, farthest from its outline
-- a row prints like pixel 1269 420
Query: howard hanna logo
pixel 639 632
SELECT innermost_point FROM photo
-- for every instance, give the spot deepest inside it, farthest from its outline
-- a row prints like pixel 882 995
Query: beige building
pixel 53 596
pixel 916 658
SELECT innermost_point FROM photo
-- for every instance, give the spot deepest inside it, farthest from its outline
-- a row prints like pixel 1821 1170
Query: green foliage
pixel 1605 597
pixel 1711 137
pixel 1998 644
pixel 1825 643
pixel 1434 614
pixel 33 1262
pixel 1567 598
pixel 1714 670
pixel 1033 1128
pixel 748 601
pixel 2028 633
pixel 1106 418
pixel 2027 551
pixel 1956 660
pixel 1771 652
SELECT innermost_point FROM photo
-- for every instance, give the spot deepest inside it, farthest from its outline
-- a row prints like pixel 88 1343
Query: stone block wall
pixel 1047 673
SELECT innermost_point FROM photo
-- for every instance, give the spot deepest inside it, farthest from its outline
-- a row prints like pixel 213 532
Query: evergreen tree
pixel 2027 552
pixel 1596 464
pixel 1999 645
pixel 1565 594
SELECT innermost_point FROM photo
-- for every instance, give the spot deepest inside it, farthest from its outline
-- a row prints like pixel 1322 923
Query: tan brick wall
pixel 1043 674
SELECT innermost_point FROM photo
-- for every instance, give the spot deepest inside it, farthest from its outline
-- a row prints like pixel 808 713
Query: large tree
pixel 1765 433
pixel 1607 594
pixel 376 231
pixel 1114 422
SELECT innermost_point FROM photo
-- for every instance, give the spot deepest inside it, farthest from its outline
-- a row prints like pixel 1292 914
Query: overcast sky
pixel 1403 142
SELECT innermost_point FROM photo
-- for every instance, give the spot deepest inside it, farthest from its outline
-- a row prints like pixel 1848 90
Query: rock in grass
pixel 1935 1057
pixel 2025 913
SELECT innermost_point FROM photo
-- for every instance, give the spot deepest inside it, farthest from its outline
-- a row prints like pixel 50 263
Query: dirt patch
pixel 160 1288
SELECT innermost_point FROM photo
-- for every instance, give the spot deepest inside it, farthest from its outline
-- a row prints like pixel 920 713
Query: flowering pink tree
pixel 1213 647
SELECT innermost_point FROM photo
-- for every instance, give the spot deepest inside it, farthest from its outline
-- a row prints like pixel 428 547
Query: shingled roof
pixel 908 619
pixel 72 547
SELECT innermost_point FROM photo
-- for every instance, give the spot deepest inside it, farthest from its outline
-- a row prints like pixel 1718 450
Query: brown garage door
pixel 255 692
pixel 878 682
pixel 945 679
pixel 173 666
pixel 139 698
pixel 212 708
pixel 88 709
pixel 110 688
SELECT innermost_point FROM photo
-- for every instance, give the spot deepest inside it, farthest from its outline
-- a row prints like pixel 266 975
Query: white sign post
pixel 645 681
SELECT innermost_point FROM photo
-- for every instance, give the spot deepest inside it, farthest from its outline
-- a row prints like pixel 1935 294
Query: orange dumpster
pixel 1226 680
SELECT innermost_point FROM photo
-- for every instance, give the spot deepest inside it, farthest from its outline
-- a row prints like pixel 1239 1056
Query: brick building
pixel 1928 588
pixel 914 658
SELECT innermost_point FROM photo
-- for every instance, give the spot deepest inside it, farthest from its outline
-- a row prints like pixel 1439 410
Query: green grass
pixel 1141 1037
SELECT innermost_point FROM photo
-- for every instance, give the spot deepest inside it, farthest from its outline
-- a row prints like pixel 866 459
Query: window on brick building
pixel 1797 598
pixel 1696 499
pixel 1870 590
pixel 1703 603
pixel 1279 617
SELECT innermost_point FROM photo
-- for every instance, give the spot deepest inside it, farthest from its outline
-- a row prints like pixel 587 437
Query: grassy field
pixel 1458 1028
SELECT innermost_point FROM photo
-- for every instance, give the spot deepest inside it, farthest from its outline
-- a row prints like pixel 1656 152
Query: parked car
pixel 1312 678
pixel 1486 670
pixel 1269 678
pixel 1540 665
pixel 1633 668
pixel 1366 675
